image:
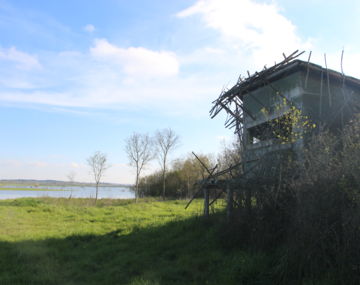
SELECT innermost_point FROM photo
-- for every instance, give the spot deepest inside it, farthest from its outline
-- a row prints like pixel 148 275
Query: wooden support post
pixel 206 202
pixel 229 198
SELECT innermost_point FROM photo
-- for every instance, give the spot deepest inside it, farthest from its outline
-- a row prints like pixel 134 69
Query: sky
pixel 82 76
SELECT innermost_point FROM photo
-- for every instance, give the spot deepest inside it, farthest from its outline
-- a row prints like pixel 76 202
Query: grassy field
pixel 62 241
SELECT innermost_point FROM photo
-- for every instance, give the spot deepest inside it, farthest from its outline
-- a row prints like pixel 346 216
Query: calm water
pixel 66 191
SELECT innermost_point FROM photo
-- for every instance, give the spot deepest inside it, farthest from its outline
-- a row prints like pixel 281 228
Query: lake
pixel 6 192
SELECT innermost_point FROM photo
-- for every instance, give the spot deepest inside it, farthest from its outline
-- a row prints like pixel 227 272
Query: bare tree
pixel 71 177
pixel 165 140
pixel 138 147
pixel 98 164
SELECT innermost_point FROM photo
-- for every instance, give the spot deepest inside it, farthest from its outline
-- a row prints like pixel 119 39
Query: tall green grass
pixel 26 218
pixel 72 241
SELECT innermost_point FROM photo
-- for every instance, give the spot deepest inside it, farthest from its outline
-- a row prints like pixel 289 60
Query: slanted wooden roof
pixel 231 100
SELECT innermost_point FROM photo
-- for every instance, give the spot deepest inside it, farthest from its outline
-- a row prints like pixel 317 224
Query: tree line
pixel 140 150
pixel 183 175
pixel 174 179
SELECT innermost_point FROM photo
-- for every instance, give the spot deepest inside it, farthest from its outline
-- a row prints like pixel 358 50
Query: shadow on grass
pixel 192 251
pixel 181 252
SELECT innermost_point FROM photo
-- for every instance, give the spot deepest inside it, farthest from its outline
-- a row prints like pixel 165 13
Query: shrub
pixel 309 208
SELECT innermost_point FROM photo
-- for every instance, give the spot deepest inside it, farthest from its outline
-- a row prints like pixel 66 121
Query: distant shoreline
pixel 31 189
pixel 58 183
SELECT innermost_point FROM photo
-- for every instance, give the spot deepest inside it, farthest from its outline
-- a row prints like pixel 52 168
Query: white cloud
pixel 253 28
pixel 101 90
pixel 137 61
pixel 89 28
pixel 111 76
pixel 21 59
pixel 250 22
pixel 75 165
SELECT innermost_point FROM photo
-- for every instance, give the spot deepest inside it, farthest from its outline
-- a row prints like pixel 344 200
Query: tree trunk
pixel 97 191
pixel 164 184
pixel 137 183
pixel 136 187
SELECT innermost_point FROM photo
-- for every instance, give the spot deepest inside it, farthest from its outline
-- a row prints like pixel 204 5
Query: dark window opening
pixel 277 129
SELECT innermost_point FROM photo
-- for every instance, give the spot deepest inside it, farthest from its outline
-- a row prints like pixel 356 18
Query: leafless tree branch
pixel 139 149
pixel 166 140
pixel 98 165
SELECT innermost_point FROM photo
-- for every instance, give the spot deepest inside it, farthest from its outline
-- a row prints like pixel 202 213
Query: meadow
pixel 72 241
pixel 62 241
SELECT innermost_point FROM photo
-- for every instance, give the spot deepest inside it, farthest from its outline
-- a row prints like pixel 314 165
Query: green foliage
pixel 308 209
pixel 180 180
pixel 62 241
pixel 291 126
pixel 72 241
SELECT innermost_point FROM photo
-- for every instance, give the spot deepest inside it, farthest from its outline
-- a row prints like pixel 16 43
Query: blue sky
pixel 80 76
